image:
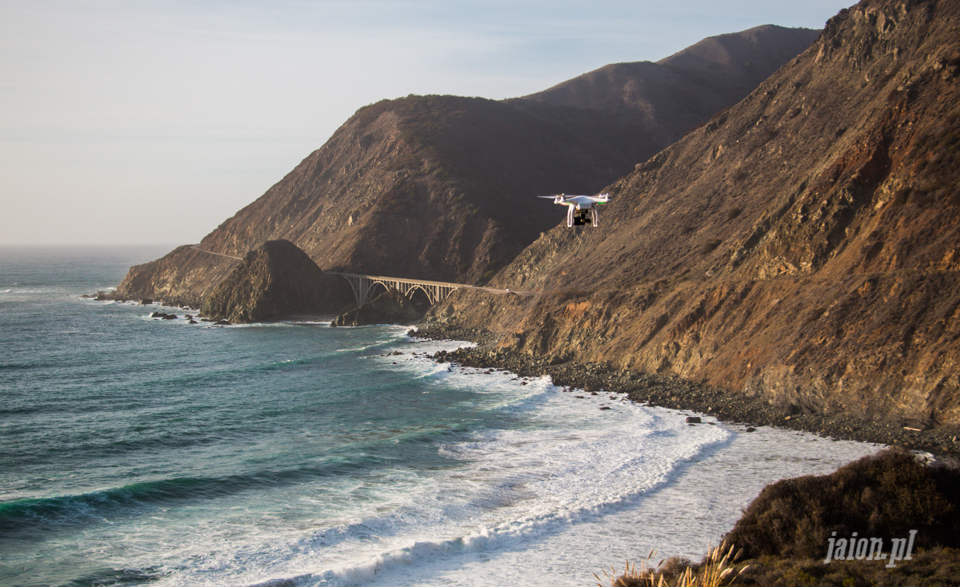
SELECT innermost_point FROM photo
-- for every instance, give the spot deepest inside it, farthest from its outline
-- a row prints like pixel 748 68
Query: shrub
pixel 563 295
pixel 884 495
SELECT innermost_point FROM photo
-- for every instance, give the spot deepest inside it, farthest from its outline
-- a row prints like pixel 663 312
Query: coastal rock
pixel 182 277
pixel 275 281
pixel 390 307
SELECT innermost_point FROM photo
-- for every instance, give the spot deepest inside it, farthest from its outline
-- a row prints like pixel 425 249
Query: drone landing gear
pixel 582 217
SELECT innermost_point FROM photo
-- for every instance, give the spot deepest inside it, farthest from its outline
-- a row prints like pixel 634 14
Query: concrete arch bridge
pixel 436 291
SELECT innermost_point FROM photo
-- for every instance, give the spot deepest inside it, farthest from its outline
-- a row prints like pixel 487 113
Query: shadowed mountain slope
pixel 802 246
pixel 671 96
pixel 434 187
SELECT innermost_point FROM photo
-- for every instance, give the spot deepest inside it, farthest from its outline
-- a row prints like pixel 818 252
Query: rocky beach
pixel 680 394
pixel 790 518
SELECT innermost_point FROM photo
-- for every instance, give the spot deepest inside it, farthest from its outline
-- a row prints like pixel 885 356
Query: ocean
pixel 140 451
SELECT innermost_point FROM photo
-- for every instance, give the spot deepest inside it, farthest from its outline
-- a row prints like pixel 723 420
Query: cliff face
pixel 390 307
pixel 183 277
pixel 801 246
pixel 444 188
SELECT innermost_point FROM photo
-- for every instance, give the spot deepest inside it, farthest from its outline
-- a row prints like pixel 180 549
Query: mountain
pixel 671 96
pixel 800 247
pixel 443 187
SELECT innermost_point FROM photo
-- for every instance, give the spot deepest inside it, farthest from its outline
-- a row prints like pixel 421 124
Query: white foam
pixel 563 489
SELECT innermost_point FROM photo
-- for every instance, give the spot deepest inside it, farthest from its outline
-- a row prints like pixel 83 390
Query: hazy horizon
pixel 153 122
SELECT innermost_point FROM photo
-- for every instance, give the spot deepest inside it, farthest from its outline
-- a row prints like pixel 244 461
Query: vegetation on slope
pixel 791 533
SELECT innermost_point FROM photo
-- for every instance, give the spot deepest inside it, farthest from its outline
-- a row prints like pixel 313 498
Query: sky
pixel 153 121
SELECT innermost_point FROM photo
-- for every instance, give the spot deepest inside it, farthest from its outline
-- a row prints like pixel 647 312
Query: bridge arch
pixel 363 286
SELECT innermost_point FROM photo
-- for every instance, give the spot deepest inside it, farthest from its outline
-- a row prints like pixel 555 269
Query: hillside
pixel 436 187
pixel 800 247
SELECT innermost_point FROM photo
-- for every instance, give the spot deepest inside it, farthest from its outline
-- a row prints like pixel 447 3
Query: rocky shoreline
pixel 676 393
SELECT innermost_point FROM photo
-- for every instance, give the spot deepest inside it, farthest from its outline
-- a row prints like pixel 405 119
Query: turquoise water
pixel 141 451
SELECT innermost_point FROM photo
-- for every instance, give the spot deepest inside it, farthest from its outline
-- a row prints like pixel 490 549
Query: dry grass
pixel 717 569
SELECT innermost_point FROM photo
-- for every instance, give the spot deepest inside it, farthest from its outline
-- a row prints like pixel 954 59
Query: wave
pixel 22 366
pixel 356 458
pixel 522 486
pixel 420 553
pixel 51 513
pixel 223 370
pixel 113 576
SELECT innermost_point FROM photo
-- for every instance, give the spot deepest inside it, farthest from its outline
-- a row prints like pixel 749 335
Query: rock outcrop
pixel 183 277
pixel 800 247
pixel 275 281
pixel 390 307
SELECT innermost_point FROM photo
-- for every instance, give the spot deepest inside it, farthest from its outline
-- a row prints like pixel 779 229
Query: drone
pixel 581 209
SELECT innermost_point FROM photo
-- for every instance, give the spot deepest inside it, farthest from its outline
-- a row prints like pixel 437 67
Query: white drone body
pixel 581 209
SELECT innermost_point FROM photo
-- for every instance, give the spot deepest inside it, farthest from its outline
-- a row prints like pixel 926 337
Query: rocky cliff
pixel 443 188
pixel 273 281
pixel 183 277
pixel 799 247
